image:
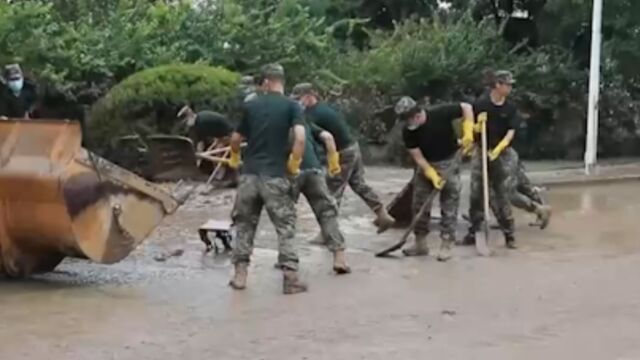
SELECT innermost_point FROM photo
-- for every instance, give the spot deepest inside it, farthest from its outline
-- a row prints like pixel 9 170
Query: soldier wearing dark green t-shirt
pixel 206 126
pixel 265 124
pixel 348 155
pixel 312 184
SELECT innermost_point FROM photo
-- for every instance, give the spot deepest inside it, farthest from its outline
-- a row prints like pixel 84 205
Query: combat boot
pixel 318 240
pixel 383 220
pixel 544 215
pixel 291 283
pixel 510 241
pixel 445 250
pixel 239 281
pixel 419 248
pixel 340 266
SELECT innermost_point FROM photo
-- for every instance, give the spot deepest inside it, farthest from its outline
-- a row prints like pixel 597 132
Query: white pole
pixel 591 151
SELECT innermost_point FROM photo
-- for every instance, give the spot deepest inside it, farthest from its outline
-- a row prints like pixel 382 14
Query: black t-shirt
pixel 13 106
pixel 500 118
pixel 436 138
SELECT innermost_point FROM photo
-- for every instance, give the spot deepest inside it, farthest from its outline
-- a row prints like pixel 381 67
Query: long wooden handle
pixel 218 166
pixel 485 179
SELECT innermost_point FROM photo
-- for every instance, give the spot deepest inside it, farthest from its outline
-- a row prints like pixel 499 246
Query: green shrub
pixel 151 98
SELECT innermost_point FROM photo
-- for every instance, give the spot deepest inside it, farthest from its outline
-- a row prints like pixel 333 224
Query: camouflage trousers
pixel 353 175
pixel 449 200
pixel 312 184
pixel 524 197
pixel 501 189
pixel 275 194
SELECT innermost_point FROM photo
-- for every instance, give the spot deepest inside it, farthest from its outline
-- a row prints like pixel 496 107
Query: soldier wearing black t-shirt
pixel 501 117
pixel 430 137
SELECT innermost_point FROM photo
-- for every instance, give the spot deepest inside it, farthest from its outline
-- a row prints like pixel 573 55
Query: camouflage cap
pixel 302 89
pixel 405 105
pixel 505 77
pixel 272 70
pixel 12 71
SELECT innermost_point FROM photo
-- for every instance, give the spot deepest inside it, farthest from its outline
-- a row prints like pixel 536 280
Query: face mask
pixel 15 85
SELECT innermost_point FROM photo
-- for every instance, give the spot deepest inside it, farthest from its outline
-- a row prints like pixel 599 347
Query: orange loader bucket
pixel 57 199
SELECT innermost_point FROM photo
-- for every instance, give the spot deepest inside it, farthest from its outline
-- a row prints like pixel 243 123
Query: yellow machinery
pixel 57 199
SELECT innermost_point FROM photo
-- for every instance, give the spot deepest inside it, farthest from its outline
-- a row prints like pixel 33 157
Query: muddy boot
pixel 468 240
pixel 340 266
pixel 318 240
pixel 510 242
pixel 239 281
pixel 445 250
pixel 383 220
pixel 544 215
pixel 291 284
pixel 419 247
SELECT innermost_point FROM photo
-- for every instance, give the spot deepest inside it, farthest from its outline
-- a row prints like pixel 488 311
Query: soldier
pixel 525 197
pixel 501 118
pixel 431 139
pixel 206 126
pixel 265 122
pixel 323 116
pixel 528 198
pixel 18 96
pixel 312 184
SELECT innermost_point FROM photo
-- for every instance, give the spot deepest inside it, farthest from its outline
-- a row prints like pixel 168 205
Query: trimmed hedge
pixel 149 100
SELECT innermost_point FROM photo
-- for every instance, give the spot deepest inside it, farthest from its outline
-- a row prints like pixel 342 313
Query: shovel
pixel 403 240
pixel 482 241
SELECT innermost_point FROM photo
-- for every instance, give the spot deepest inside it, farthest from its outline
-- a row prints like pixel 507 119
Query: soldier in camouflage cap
pixel 430 137
pixel 348 156
pixel 265 122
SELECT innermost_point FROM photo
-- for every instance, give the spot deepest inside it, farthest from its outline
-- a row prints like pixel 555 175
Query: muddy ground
pixel 569 292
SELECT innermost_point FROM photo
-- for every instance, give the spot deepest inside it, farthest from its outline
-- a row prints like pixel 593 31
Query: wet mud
pixel 568 292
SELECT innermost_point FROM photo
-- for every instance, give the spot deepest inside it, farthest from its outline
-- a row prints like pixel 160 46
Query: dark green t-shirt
pixel 330 120
pixel 265 123
pixel 310 159
pixel 210 124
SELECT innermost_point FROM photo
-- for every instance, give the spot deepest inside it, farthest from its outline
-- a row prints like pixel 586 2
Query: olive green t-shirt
pixel 310 159
pixel 330 120
pixel 265 123
pixel 211 124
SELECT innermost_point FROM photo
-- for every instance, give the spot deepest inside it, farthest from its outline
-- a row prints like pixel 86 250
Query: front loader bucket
pixel 58 199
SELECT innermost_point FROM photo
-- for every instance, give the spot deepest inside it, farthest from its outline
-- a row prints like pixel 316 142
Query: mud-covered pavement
pixel 569 292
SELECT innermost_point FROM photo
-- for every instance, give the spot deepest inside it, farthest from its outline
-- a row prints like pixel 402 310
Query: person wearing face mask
pixel 17 97
pixel 501 118
pixel 430 137
pixel 348 156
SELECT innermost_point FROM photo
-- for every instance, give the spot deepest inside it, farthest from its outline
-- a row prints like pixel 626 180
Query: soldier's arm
pixel 297 122
pixel 419 159
pixel 329 142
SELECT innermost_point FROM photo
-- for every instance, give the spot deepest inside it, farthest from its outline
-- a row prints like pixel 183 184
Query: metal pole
pixel 591 151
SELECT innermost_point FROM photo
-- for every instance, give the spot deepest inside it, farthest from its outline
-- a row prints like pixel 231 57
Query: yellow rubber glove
pixel 467 136
pixel 333 164
pixel 431 174
pixel 495 153
pixel 234 160
pixel 482 118
pixel 293 165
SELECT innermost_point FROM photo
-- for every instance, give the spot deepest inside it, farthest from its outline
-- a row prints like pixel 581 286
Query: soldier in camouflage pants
pixel 525 197
pixel 449 200
pixel 502 185
pixel 274 194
